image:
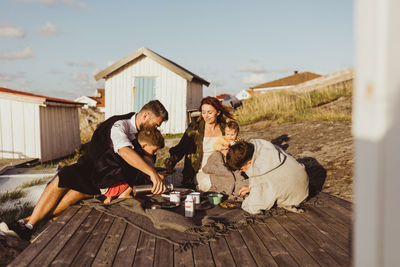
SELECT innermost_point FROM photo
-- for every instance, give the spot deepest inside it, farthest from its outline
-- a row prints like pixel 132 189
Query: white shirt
pixel 123 132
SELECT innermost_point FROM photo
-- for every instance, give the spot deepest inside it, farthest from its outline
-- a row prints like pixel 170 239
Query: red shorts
pixel 116 189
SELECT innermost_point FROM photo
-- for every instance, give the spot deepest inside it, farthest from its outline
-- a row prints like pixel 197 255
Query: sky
pixel 54 47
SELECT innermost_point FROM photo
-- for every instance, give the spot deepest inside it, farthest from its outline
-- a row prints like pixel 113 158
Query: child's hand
pixel 244 190
pixel 224 150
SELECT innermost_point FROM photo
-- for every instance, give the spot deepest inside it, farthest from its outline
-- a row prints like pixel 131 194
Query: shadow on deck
pixel 82 236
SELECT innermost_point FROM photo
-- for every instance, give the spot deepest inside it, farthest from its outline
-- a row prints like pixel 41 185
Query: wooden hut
pixel 143 76
pixel 35 126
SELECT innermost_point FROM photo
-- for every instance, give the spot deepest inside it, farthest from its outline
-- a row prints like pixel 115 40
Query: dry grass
pixel 286 106
pixel 38 181
pixel 10 215
pixel 12 195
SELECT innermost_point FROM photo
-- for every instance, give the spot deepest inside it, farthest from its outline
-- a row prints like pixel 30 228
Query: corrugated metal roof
pixel 47 98
pixel 294 79
pixel 143 51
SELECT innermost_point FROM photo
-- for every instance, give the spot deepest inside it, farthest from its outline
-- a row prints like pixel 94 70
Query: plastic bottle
pixel 189 206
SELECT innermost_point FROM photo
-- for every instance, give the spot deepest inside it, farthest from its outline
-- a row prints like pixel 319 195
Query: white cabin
pixel 143 76
pixel 87 101
pixel 35 126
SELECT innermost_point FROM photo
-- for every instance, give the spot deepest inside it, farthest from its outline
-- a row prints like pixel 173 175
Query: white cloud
pixel 48 29
pixel 254 79
pixel 9 30
pixel 86 82
pixel 109 63
pixel 24 53
pixel 9 77
pixel 6 77
pixel 79 64
pixel 55 3
pixel 252 69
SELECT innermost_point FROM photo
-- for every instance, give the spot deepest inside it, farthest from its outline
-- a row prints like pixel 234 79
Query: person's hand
pixel 158 185
pixel 244 190
pixel 224 150
pixel 162 175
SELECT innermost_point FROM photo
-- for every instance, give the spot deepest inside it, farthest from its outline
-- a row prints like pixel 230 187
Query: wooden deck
pixel 81 237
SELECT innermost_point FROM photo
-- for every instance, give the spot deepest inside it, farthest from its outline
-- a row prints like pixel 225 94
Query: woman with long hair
pixel 196 145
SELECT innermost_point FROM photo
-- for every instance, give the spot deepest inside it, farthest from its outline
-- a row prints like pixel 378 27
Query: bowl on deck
pixel 215 198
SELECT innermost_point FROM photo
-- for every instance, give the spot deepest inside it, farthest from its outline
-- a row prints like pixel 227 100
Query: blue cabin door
pixel 145 91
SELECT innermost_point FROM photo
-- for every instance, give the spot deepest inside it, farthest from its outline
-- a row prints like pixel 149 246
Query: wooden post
pixel 377 133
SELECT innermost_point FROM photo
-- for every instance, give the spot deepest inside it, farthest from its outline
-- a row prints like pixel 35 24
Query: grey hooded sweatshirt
pixel 275 177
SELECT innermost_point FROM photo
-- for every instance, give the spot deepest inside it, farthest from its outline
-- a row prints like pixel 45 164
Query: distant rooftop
pixel 291 80
pixel 47 98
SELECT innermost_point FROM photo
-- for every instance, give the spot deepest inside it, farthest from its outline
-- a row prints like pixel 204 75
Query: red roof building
pixel 283 83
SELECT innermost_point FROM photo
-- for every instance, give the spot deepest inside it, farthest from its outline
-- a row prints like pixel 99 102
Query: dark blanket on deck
pixel 171 224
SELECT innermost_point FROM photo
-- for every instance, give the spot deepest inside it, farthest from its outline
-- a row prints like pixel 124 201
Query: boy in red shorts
pixel 146 144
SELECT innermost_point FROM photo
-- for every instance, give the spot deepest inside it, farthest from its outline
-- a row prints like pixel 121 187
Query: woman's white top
pixel 203 179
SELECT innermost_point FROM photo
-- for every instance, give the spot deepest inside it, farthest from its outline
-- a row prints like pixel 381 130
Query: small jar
pixel 175 197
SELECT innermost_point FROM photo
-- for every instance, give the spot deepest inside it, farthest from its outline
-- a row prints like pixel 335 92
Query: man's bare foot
pixel 107 200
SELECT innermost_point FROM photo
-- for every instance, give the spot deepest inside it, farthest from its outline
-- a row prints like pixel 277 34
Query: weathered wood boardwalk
pixel 84 237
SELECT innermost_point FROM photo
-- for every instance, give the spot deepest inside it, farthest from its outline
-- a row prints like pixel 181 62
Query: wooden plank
pixel 164 253
pixel 320 224
pixel 338 201
pixel 260 253
pixel 89 250
pixel 240 252
pixel 339 254
pixel 74 244
pixel 44 238
pixel 221 253
pixel 107 251
pixel 338 216
pixel 47 255
pixel 341 229
pixel 183 258
pixel 335 209
pixel 202 256
pixel 280 254
pixel 318 253
pixel 292 246
pixel 145 250
pixel 127 249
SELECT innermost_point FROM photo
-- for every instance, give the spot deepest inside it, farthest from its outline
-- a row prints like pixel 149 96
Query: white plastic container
pixel 196 197
pixel 175 197
pixel 189 206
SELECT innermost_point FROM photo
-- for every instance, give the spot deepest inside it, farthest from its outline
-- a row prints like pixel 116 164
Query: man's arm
pixel 133 159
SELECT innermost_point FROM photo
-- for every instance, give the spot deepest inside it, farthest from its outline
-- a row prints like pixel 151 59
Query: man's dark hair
pixel 239 154
pixel 158 109
pixel 233 125
pixel 151 136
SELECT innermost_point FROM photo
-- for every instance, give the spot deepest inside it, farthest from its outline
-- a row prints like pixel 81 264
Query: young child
pixel 147 143
pixel 275 177
pixel 230 138
pixel 223 180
